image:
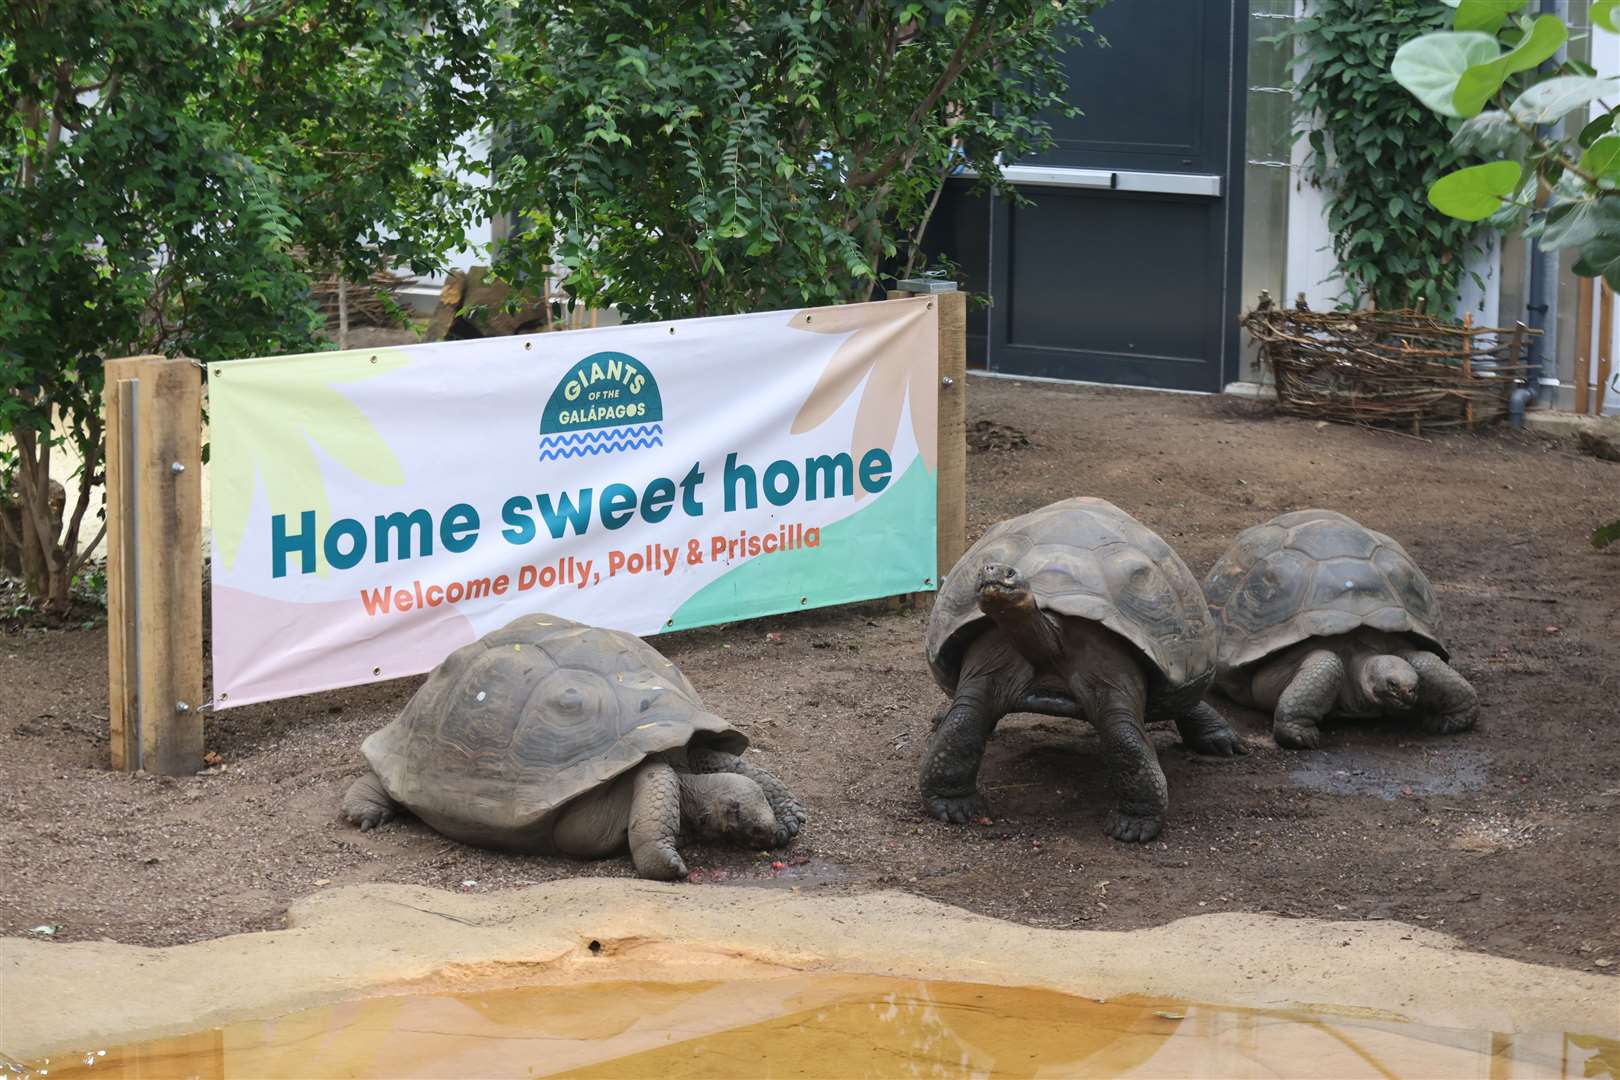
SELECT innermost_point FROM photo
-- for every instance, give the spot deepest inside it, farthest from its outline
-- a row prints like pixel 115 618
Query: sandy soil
pixel 345 943
pixel 1504 837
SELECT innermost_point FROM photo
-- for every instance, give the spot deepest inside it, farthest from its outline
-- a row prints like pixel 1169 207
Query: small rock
pixel 1605 962
pixel 323 881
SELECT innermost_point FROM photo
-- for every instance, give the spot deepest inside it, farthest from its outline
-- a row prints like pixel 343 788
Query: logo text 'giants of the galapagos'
pixel 607 402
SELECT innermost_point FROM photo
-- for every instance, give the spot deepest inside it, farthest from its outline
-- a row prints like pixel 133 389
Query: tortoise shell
pixel 1088 559
pixel 1315 573
pixel 513 726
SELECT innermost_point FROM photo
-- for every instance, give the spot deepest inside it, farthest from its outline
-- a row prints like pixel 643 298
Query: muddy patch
pixel 1392 774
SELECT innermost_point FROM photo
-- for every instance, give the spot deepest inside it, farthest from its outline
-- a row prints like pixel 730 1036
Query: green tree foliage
pixel 1556 174
pixel 159 163
pixel 1376 152
pixel 683 157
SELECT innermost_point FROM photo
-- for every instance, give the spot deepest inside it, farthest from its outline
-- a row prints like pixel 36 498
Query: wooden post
pixel 154 563
pixel 1583 339
pixel 1605 341
pixel 1468 367
pixel 951 497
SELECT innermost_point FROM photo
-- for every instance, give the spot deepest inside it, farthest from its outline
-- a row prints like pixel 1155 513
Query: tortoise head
pixel 732 808
pixel 1002 587
pixel 1390 681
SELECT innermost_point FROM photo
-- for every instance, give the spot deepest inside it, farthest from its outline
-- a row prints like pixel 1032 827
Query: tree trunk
pixel 343 310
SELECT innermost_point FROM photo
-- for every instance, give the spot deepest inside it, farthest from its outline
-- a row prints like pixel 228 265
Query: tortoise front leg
pixel 790 814
pixel 1142 798
pixel 368 804
pixel 1205 730
pixel 655 822
pixel 950 769
pixel 1310 696
pixel 1446 699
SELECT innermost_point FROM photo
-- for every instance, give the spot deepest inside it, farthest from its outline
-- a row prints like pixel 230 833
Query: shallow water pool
pixel 835 1026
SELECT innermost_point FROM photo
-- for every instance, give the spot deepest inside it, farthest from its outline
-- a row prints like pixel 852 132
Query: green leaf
pixel 1601 258
pixel 1551 100
pixel 1602 158
pixel 1490 134
pixel 1578 223
pixel 1603 13
pixel 1484 15
pixel 1481 82
pixel 1597 127
pixel 1431 66
pixel 1475 193
pixel 1604 535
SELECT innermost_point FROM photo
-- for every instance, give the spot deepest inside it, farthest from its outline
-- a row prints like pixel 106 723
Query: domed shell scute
pixel 1085 558
pixel 1315 573
pixel 530 716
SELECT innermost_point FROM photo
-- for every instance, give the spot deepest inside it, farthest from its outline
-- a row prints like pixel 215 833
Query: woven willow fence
pixel 1390 368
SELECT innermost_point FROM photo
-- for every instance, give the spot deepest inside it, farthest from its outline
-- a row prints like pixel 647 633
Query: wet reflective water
pixel 830 1026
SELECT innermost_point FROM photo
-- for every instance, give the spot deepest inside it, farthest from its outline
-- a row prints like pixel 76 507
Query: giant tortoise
pixel 551 737
pixel 1320 616
pixel 1074 610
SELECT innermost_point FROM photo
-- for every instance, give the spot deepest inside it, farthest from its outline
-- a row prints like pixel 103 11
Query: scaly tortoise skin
pixel 1321 616
pixel 551 737
pixel 1076 610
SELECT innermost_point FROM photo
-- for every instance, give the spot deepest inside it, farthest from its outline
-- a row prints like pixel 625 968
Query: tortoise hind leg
pixel 655 822
pixel 790 814
pixel 367 804
pixel 1447 701
pixel 1206 731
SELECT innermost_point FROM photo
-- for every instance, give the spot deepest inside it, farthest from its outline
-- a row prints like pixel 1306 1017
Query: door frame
pixel 1228 224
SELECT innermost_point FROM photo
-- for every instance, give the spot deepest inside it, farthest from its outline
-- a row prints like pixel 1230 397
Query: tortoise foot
pixel 958 810
pixel 1226 744
pixel 1296 735
pixel 1132 828
pixel 367 804
pixel 788 825
pixel 1449 723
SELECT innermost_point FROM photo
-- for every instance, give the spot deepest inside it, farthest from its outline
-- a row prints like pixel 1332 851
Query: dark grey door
pixel 1123 266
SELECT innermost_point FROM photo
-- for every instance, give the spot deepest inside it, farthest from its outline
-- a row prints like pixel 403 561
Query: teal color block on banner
pixel 841 570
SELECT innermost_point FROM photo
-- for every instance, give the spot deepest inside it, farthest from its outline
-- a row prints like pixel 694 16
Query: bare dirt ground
pixel 1508 836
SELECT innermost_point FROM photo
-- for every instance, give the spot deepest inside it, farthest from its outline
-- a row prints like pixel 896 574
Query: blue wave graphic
pixel 601 441
pixel 574 438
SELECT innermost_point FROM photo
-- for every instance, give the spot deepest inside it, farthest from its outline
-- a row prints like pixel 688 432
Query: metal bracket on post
pixel 927 283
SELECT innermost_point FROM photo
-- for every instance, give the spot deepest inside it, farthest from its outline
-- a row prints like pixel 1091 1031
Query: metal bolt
pixel 946 380
pixel 181 706
pixel 177 468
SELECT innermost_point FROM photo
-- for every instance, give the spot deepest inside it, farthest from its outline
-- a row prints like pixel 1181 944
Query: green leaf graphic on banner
pixel 840 570
pixel 265 418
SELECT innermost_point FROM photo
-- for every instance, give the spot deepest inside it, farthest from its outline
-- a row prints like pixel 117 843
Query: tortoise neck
pixel 1031 631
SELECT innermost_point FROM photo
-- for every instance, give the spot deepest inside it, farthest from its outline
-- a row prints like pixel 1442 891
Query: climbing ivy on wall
pixel 1375 150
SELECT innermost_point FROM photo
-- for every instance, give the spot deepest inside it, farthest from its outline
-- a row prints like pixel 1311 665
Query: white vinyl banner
pixel 375 509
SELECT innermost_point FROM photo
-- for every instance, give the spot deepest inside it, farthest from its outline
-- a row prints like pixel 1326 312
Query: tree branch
pixel 78 561
pixel 87 475
pixel 960 59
